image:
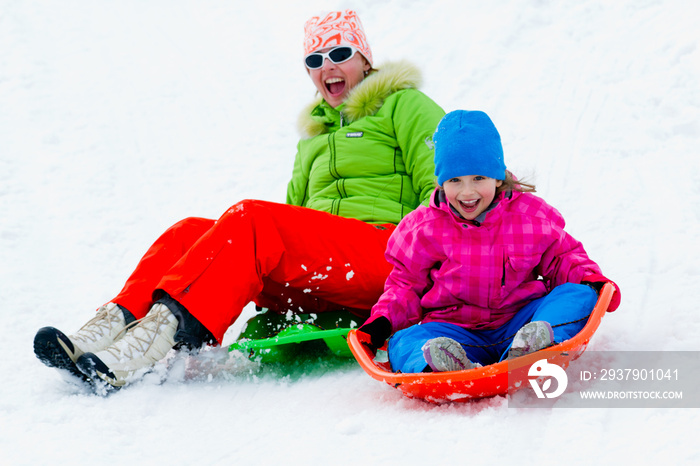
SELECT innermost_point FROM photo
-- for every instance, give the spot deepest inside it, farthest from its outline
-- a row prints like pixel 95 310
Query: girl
pixel 486 271
pixel 364 161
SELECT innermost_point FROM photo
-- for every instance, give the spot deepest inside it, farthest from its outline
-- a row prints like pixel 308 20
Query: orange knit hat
pixel 336 28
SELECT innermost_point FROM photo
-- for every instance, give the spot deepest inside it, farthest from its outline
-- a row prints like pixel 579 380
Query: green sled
pixel 271 337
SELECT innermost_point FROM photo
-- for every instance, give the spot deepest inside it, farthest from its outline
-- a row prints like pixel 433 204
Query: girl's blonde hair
pixel 511 184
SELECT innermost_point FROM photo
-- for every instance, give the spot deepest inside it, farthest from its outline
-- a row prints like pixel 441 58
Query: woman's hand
pixel 378 330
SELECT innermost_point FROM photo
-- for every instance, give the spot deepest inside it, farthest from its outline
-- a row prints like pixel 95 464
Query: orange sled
pixel 495 379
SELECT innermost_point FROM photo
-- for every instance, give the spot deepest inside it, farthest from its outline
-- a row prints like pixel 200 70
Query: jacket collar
pixel 364 100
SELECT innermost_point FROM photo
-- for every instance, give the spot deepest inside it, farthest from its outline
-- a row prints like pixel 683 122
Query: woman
pixel 364 162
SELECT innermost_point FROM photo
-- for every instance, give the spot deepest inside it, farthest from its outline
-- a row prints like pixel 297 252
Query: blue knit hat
pixel 467 143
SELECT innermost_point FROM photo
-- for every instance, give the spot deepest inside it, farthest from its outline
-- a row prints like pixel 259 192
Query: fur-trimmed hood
pixel 364 100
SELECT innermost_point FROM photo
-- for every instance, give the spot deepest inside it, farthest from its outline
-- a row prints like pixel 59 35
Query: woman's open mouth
pixel 335 86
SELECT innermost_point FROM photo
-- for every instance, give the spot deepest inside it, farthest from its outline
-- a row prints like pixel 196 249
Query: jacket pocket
pixel 518 269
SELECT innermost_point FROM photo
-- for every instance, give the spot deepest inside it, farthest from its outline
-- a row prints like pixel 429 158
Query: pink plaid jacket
pixel 477 275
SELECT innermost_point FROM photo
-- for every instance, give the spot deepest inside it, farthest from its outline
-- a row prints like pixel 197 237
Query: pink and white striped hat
pixel 333 29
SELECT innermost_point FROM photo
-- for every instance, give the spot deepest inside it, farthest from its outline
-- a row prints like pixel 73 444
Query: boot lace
pixel 108 317
pixel 143 334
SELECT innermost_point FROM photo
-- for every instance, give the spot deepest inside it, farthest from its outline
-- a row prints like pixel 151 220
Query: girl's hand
pixel 596 281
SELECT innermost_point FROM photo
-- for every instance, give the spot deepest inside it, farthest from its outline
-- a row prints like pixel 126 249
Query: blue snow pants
pixel 565 303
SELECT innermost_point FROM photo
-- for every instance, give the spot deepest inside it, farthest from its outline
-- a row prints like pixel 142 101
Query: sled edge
pixel 579 342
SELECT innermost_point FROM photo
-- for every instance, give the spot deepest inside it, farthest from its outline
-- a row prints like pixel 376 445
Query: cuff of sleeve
pixel 598 278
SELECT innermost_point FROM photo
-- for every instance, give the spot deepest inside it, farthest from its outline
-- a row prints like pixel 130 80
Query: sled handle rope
pixel 569 349
pixel 513 335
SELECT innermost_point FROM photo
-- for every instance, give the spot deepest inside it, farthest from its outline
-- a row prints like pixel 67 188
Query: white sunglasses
pixel 337 55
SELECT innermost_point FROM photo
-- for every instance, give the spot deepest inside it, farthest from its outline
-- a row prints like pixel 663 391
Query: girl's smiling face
pixel 470 195
pixel 335 81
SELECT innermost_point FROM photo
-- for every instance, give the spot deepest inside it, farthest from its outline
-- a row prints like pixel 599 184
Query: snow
pixel 119 118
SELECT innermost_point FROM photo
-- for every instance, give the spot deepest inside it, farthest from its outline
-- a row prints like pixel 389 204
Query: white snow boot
pixel 56 349
pixel 143 345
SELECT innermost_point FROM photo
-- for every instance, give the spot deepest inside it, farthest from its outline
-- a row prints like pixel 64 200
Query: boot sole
pixel 50 351
pixel 93 368
pixel 445 355
pixel 549 335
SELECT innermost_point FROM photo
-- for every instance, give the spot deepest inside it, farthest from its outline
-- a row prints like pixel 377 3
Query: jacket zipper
pixel 331 160
pixel 335 205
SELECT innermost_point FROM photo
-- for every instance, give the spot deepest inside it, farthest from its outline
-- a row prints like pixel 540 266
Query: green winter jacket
pixel 371 158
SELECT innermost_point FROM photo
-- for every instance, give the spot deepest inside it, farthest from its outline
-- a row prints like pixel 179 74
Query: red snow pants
pixel 282 257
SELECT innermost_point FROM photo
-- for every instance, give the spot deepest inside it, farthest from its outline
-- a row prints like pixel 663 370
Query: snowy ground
pixel 119 118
